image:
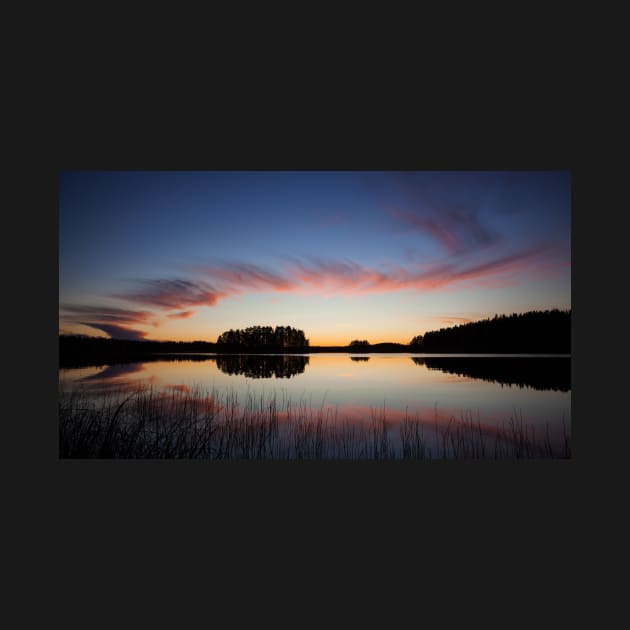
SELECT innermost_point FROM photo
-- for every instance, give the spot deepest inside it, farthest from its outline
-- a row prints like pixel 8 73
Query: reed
pixel 199 424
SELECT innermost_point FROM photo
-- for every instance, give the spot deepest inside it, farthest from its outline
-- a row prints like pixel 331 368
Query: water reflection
pixel 387 406
pixel 112 372
pixel 542 373
pixel 262 366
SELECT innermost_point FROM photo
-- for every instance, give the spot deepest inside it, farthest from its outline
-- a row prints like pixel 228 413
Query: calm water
pixel 438 391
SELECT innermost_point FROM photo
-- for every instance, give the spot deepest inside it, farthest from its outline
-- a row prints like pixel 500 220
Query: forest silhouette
pixel 78 351
pixel 263 339
pixel 534 332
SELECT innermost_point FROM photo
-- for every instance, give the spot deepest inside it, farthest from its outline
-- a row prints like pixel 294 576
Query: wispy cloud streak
pixel 181 315
pixel 459 231
pixel 75 312
pixel 299 275
pixel 118 323
pixel 248 276
pixel 173 293
pixel 347 276
pixel 117 332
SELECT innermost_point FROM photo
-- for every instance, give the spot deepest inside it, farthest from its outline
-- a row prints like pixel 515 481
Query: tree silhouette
pixel 78 350
pixel 259 338
pixel 359 343
pixel 531 332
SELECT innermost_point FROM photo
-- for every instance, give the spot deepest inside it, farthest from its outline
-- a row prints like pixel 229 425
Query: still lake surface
pixel 437 390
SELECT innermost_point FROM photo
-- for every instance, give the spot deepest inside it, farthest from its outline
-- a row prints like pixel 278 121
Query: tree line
pixel 254 338
pixel 532 332
pixel 79 350
pixel 359 343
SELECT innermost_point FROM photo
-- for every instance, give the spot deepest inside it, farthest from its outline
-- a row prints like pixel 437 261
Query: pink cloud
pixel 117 332
pixel 337 275
pixel 180 315
pixel 431 227
pixel 354 278
pixel 249 276
pixel 316 276
pixel 118 323
pixel 105 314
pixel 301 276
pixel 512 262
pixel 458 230
pixel 173 294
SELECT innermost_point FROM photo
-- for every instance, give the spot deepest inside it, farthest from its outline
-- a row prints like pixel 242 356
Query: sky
pixel 341 255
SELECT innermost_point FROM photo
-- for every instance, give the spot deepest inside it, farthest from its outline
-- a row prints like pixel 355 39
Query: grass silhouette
pixel 194 423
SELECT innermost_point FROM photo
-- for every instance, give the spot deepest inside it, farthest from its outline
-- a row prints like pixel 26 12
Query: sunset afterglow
pixel 341 255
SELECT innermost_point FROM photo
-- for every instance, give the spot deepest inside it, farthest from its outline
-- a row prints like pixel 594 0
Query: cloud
pixel 173 294
pixel 239 275
pixel 181 315
pixel 308 275
pixel 458 230
pixel 105 314
pixel 115 322
pixel 510 262
pixel 335 275
pixel 117 332
pixel 164 294
pixel 301 276
pixel 348 276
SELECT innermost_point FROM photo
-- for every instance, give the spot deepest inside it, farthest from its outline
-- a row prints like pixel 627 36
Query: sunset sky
pixel 342 255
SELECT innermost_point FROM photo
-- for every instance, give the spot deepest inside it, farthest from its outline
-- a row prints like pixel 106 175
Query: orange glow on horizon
pixel 201 335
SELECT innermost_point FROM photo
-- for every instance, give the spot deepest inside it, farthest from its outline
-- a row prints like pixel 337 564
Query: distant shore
pixel 533 333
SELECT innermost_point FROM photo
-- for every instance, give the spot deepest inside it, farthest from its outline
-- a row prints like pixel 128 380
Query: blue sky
pixel 342 255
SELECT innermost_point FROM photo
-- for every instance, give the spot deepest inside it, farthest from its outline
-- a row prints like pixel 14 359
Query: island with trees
pixel 263 339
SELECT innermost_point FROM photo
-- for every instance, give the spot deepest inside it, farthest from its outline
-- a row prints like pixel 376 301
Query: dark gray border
pixel 434 513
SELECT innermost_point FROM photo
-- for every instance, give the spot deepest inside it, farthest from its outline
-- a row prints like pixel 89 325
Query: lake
pixel 324 406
